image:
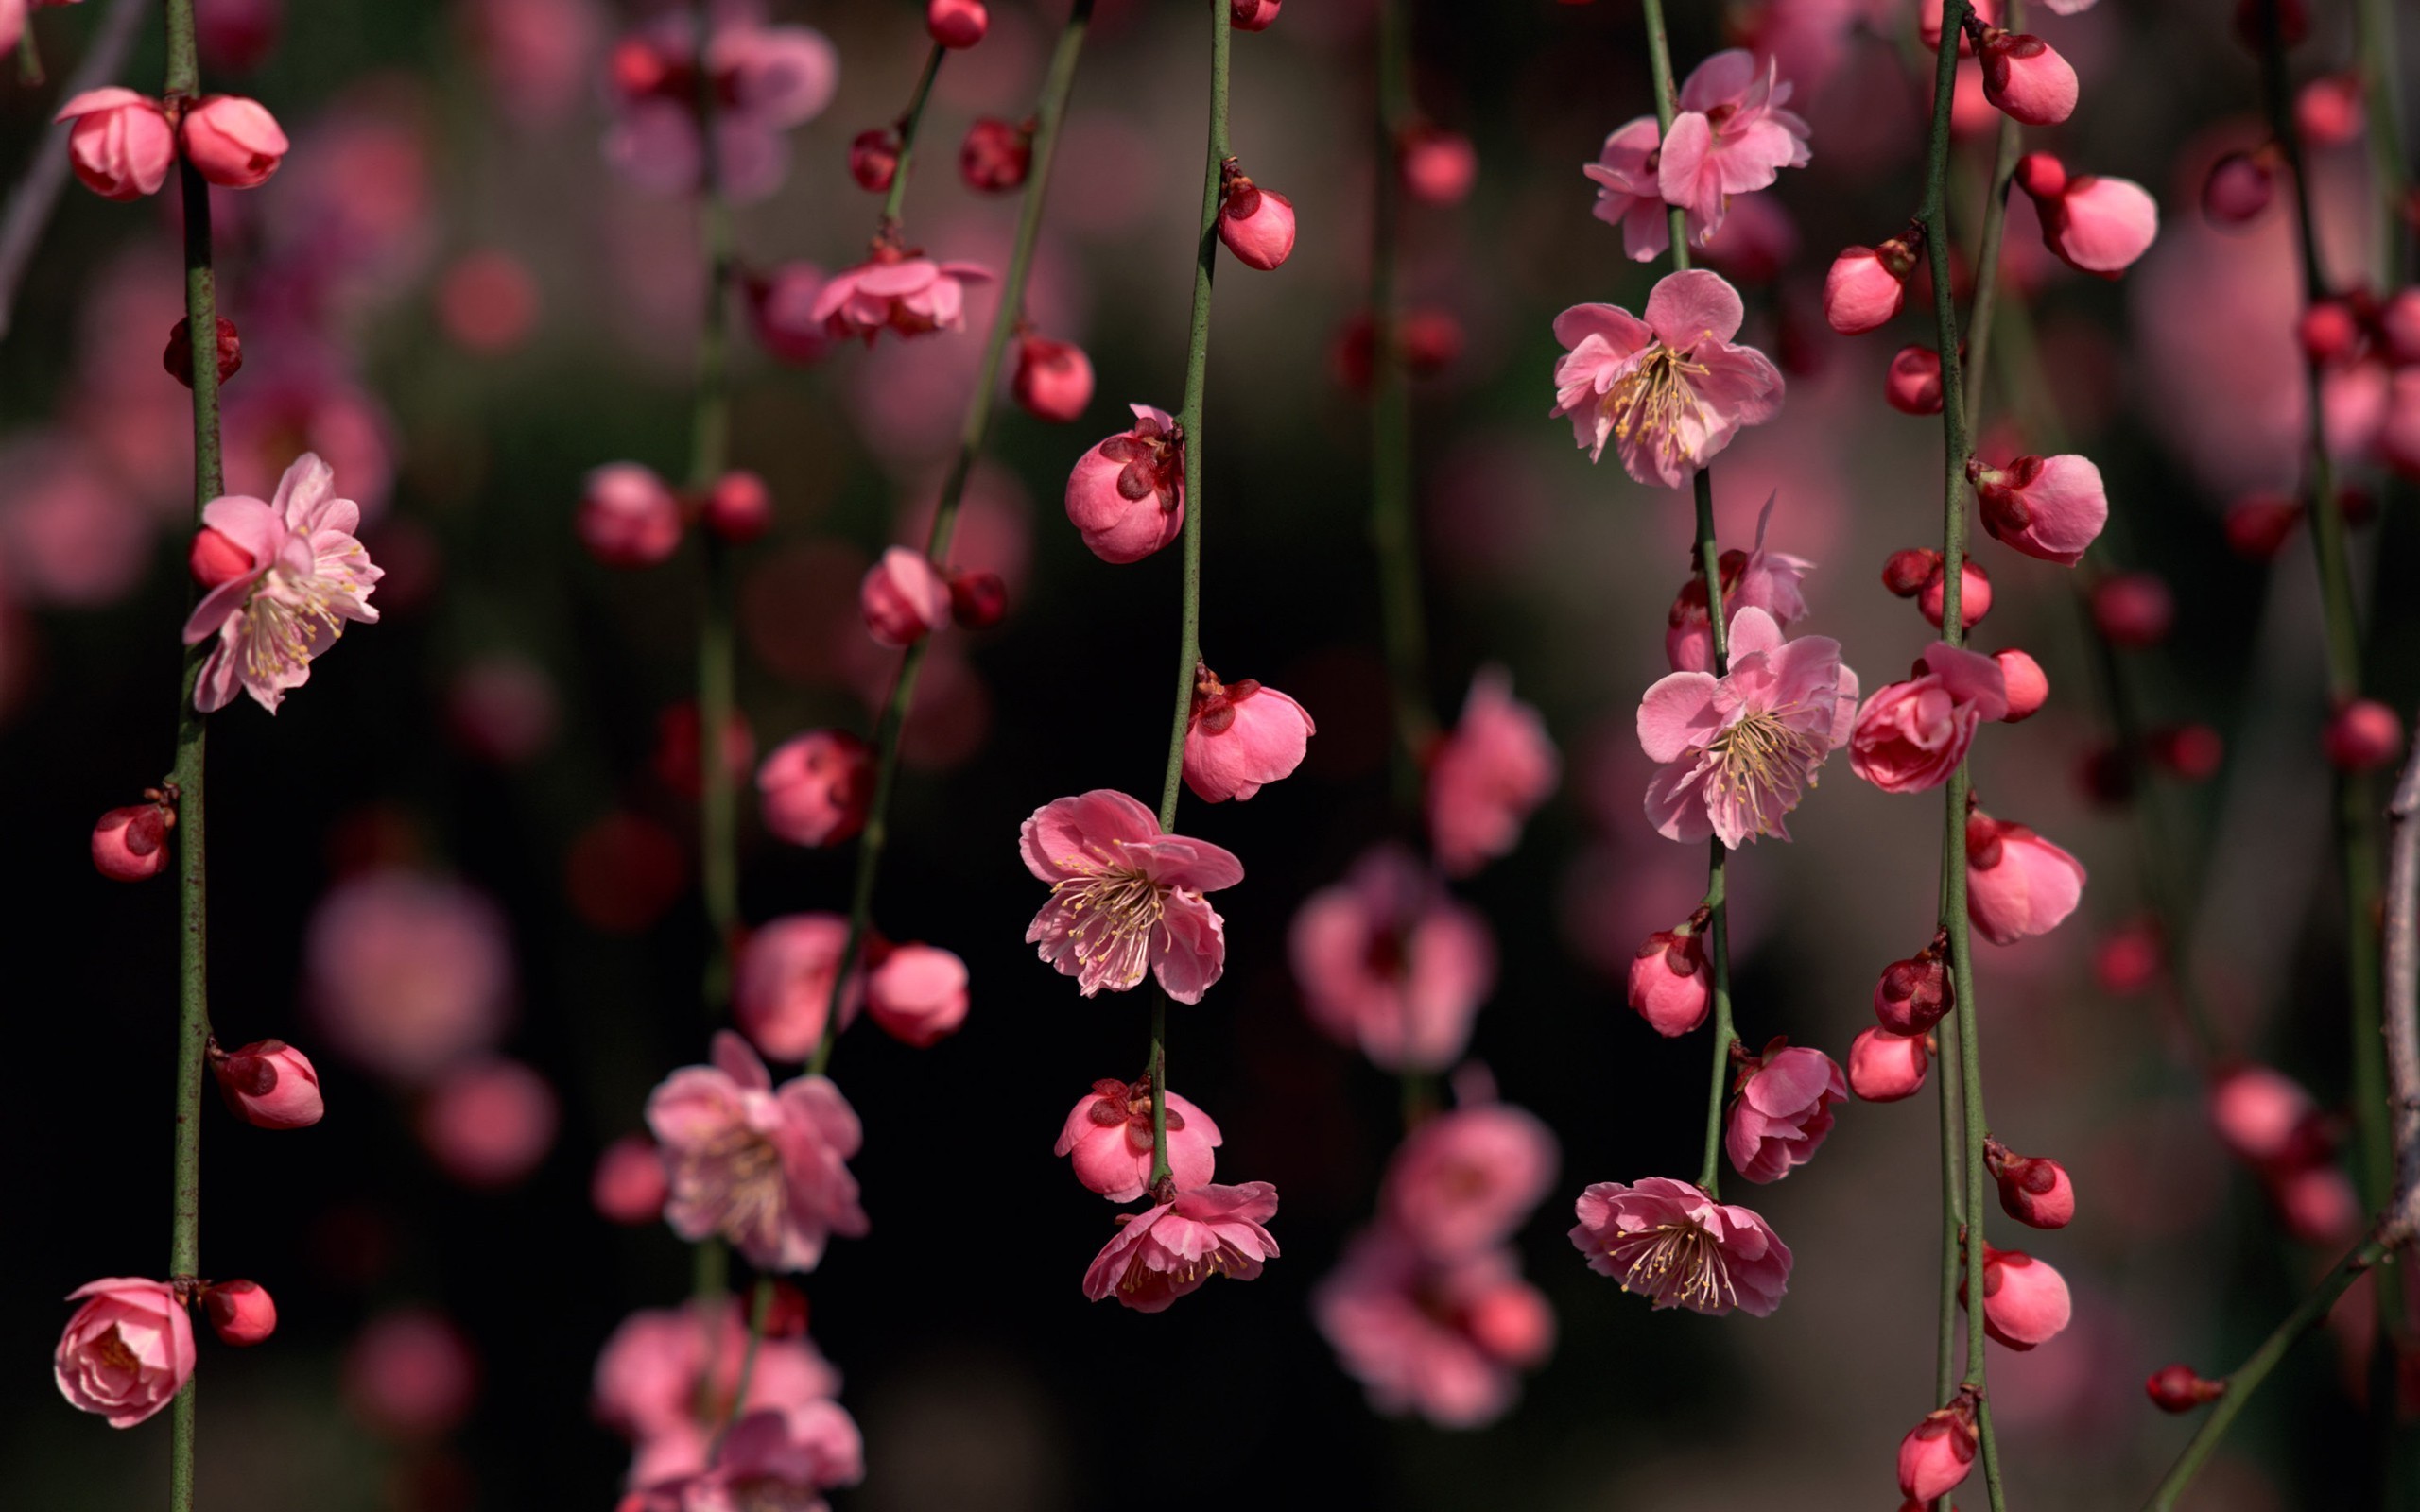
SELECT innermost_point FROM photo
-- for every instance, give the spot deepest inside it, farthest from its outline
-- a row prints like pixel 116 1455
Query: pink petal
pixel 1677 715
pixel 1696 306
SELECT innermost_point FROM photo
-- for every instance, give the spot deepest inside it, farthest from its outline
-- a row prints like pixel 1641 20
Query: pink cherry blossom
pixel 2025 76
pixel 2093 224
pixel 2017 883
pixel 2025 1300
pixel 1486 776
pixel 629 1185
pixel 121 144
pixel 917 995
pixel 773 1459
pixel 1173 1248
pixel 308 577
pixel 1109 1134
pixel 1628 193
pixel 902 599
pixel 1445 1340
pixel 406 972
pixel 648 1375
pixel 1782 1110
pixel 409 1375
pixel 1752 579
pixel 766 80
pixel 1125 898
pixel 1670 1242
pixel 1936 1453
pixel 764 1169
pixel 2263 1115
pixel 269 1084
pixel 1465 1181
pixel 781 989
pixel 1125 495
pixel 1886 1067
pixel 896 291
pixel 489 1122
pixel 1909 737
pixel 1389 963
pixel 1241 736
pixel 126 1352
pixel 815 788
pixel 1730 137
pixel 1257 224
pixel 1671 390
pixel 1740 751
pixel 2051 507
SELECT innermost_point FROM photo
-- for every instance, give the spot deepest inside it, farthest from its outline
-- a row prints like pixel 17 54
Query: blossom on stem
pixel 231 141
pixel 629 516
pixel 1387 962
pixel 781 989
pixel 121 144
pixel 1909 737
pixel 765 1169
pixel 1462 1182
pixel 1108 1134
pixel 814 789
pixel 1125 495
pixel 1974 594
pixel 1938 1453
pixel 241 1313
pixel 1627 192
pixel 1915 994
pixel 2051 507
pixel 2027 685
pixel 2034 1189
pixel 2025 1300
pixel 669 1378
pixel 1257 224
pixel 765 81
pixel 1671 390
pixel 2024 76
pixel 269 1084
pixel 1176 1246
pixel 1126 898
pixel 2017 883
pixel 126 1352
pixel 307 576
pixel 1241 736
pixel 917 995
pixel 1739 751
pixel 1884 1067
pixel 1447 1340
pixel 1751 579
pixel 1730 136
pixel 1486 776
pixel 1867 285
pixel 1671 982
pixel 957 24
pixel 1781 1110
pixel 1671 1242
pixel 2093 224
pixel 895 290
pixel 131 843
pixel 903 598
pixel 1912 385
pixel 1053 380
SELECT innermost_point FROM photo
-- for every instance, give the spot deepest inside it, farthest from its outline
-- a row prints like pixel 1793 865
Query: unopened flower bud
pixel 2192 752
pixel 874 159
pixel 1053 379
pixel 1252 15
pixel 1439 167
pixel 2177 1388
pixel 269 1084
pixel 630 1183
pixel 2040 175
pixel 1125 495
pixel 1257 224
pixel 2329 113
pixel 2257 527
pixel 978 600
pixel 233 142
pixel 121 144
pixel 1866 288
pixel 815 788
pixel 2127 959
pixel 2364 735
pixel 2330 333
pixel 2026 78
pixel 1974 594
pixel 2034 1190
pixel 2049 507
pixel 628 518
pixel 2029 687
pixel 1906 572
pixel 957 22
pixel 1886 1067
pixel 903 598
pixel 738 509
pixel 1671 985
pixel 131 843
pixel 1939 1452
pixel 1914 994
pixel 996 156
pixel 178 356
pixel 2134 610
pixel 240 1313
pixel 2239 190
pixel 918 994
pixel 2025 1300
pixel 1912 387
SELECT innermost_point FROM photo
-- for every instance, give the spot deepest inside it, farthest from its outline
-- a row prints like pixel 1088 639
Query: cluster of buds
pixel 905 597
pixel 2267 1121
pixel 122 143
pixel 1888 1062
pixel 630 517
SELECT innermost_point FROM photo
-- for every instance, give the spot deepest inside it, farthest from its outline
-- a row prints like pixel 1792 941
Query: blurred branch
pixel 37 194
pixel 910 123
pixel 1987 261
pixel 1390 513
pixel 2402 930
pixel 2375 44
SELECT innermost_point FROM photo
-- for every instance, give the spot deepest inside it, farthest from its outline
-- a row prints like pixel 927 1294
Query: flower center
pixel 1218 1261
pixel 1763 766
pixel 1655 400
pixel 1679 1261
pixel 1114 913
pixel 284 615
pixel 113 1351
pixel 739 1178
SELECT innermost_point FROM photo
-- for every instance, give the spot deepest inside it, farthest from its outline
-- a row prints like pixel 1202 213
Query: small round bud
pixel 903 598
pixel 2329 112
pixel 630 1183
pixel 1438 166
pixel 1912 387
pixel 2258 525
pixel 2364 735
pixel 1053 379
pixel 131 843
pixel 2330 333
pixel 874 159
pixel 2028 688
pixel 2040 175
pixel 2127 960
pixel 1906 572
pixel 269 1084
pixel 1886 1067
pixel 2034 1190
pixel 815 788
pixel 628 518
pixel 178 356
pixel 232 141
pixel 1257 224
pixel 2177 1388
pixel 214 558
pixel 1974 595
pixel 1671 985
pixel 1252 15
pixel 978 600
pixel 1863 291
pixel 2193 753
pixel 996 156
pixel 1914 994
pixel 957 22
pixel 240 1313
pixel 740 507
pixel 2026 78
pixel 2239 190
pixel 2134 610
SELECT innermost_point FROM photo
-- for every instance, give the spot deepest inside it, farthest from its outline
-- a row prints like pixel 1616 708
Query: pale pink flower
pixel 1446 1341
pixel 2017 883
pixel 1909 737
pixel 782 991
pixel 489 1122
pixel 815 788
pixel 121 144
pixel 1109 1134
pixel 902 599
pixel 1751 579
pixel 650 1374
pixel 1628 195
pixel 767 80
pixel 773 1459
pixel 406 972
pixel 917 995
pixel 1782 1110
pixel 764 1169
pixel 911 295
pixel 1173 1248
pixel 1390 963
pixel 307 576
pixel 1125 898
pixel 1731 137
pixel 1670 1242
pixel 1463 1182
pixel 126 1352
pixel 2025 1300
pixel 1740 751
pixel 1671 390
pixel 1241 737
pixel 1126 496
pixel 409 1374
pixel 2050 507
pixel 1486 776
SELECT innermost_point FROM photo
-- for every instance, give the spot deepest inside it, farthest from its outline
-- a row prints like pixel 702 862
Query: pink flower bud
pixel 2317 1203
pixel 2028 689
pixel 2329 112
pixel 1241 737
pixel 1671 984
pixel 815 788
pixel 1906 572
pixel 874 159
pixel 630 1183
pixel 1936 1453
pixel 1438 166
pixel 122 145
pixel 1054 379
pixel 126 1352
pixel 2034 1190
pixel 2364 735
pixel 1127 495
pixel 1781 1111
pixel 957 22
pixel 2257 527
pixel 178 356
pixel 2132 610
pixel 2264 1117
pixel 740 507
pixel 1108 1133
pixel 996 156
pixel 1864 289
pixel 2040 175
pixel 903 598
pixel 2398 327
pixel 240 1313
pixel 2330 333
pixel 628 518
pixel 1252 15
pixel 1912 387
pixel 1914 994
pixel 2239 190
pixel 233 142
pixel 1974 594
pixel 269 1084
pixel 2177 1388
pixel 2050 507
pixel 2192 752
pixel 488 1124
pixel 2026 78
pixel 1886 1067
pixel 2025 1300
pixel 131 843
pixel 2097 225
pixel 1257 224
pixel 2127 959
pixel 918 995
pixel 1512 1322
pixel 2017 883
pixel 978 600
pixel 409 1374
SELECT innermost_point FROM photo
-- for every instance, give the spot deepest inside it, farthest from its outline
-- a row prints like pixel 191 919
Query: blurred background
pixel 464 854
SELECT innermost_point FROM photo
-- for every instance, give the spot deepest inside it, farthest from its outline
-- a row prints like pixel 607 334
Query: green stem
pixel 1953 1218
pixel 893 202
pixel 1392 527
pixel 1160 1169
pixel 709 456
pixel 2375 44
pixel 760 1312
pixel 1987 263
pixel 1050 113
pixel 29 71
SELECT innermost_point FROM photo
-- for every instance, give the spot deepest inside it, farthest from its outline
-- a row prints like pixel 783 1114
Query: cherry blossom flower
pixel 895 290
pixel 1909 737
pixel 1486 776
pixel 1671 390
pixel 766 80
pixel 126 1352
pixel 781 989
pixel 1176 1246
pixel 1629 195
pixel 1750 579
pixel 1241 737
pixel 917 995
pixel 406 972
pixel 121 144
pixel 1446 1341
pixel 232 141
pixel 269 1084
pixel 2025 1300
pixel 2094 224
pixel 1740 751
pixel 1781 1109
pixel 773 1459
pixel 764 1169
pixel 1109 1134
pixel 816 788
pixel 1389 963
pixel 2017 883
pixel 1125 898
pixel 2050 507
pixel 306 576
pixel 650 1381
pixel 1886 1066
pixel 1730 137
pixel 1463 1181
pixel 409 1375
pixel 1670 1242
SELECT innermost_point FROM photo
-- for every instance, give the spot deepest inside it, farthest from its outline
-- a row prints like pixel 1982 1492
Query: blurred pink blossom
pixel 1463 1182
pixel 1486 776
pixel 1446 1341
pixel 1389 963
pixel 765 1169
pixel 766 80
pixel 409 1375
pixel 488 1124
pixel 406 972
pixel 782 987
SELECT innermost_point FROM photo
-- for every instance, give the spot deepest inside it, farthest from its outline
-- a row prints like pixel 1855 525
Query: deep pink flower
pixel 1909 737
pixel 783 987
pixel 2025 76
pixel 1938 1453
pixel 1867 285
pixel 2052 507
pixel 1670 1242
pixel 2025 1300
pixel 1389 963
pixel 1740 751
pixel 781 310
pixel 1053 379
pixel 406 972
pixel 2094 224
pixel 1628 195
pixel 269 1084
pixel 815 788
pixel 131 843
pixel 308 575
pixel 1445 1340
pixel 2017 883
pixel 1782 1110
pixel 764 1169
pixel 1438 166
pixel 1463 1182
pixel 1241 736
pixel 122 145
pixel 766 80
pixel 911 295
pixel 1126 898
pixel 127 1351
pixel 1109 1134
pixel 241 1313
pixel 232 141
pixel 1912 387
pixel 918 994
pixel 648 1376
pixel 1671 390
pixel 1884 1067
pixel 1731 136
pixel 1752 579
pixel 1486 776
pixel 903 598
pixel 1127 495
pixel 1169 1250
pixel 1671 982
pixel 1257 224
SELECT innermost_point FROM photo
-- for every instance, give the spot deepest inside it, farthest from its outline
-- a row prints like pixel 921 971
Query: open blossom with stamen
pixel 1731 137
pixel 304 575
pixel 1740 750
pixel 1670 1242
pixel 1671 390
pixel 1463 1181
pixel 1173 1248
pixel 895 290
pixel 763 1168
pixel 1125 898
